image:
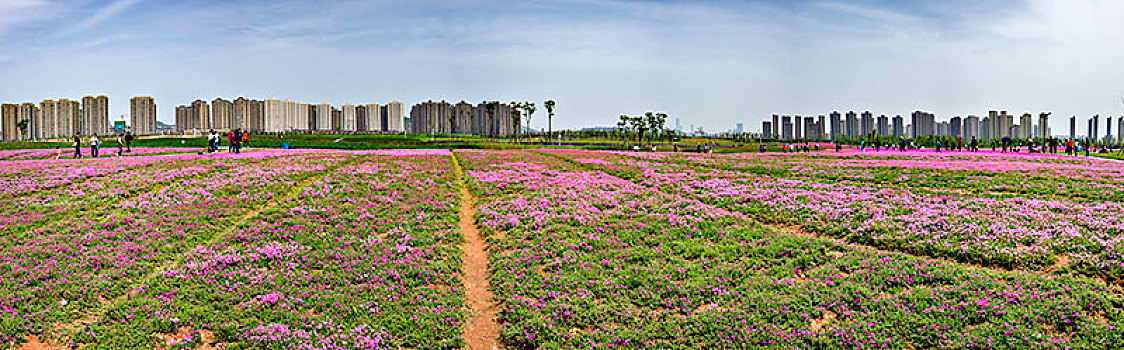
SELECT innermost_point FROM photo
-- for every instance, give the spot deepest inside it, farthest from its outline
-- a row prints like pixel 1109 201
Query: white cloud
pixel 14 12
pixel 103 14
pixel 867 12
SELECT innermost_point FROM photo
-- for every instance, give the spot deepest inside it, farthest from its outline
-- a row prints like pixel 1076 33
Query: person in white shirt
pixel 94 144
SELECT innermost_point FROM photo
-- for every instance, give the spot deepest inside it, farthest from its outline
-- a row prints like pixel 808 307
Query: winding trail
pixel 481 330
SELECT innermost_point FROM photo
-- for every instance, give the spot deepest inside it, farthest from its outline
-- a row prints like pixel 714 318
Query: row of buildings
pixel 996 125
pixel 496 119
pixel 275 115
pixel 62 118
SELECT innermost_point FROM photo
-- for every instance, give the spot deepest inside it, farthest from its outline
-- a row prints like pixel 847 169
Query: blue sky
pixel 710 63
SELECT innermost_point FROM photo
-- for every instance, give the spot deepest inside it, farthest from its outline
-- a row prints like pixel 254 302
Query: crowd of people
pixel 124 145
pixel 235 140
pixel 1004 145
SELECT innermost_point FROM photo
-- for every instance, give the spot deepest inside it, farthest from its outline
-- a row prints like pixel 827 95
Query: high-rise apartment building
pixel 361 118
pixel 811 131
pixel 183 115
pixel 1093 130
pixel 462 118
pixel 375 121
pixel 1120 129
pixel 943 129
pixel 1108 129
pixel 985 128
pixel 899 126
pixel 1006 124
pixel 9 117
pixel 822 128
pixel 394 113
pixel 222 115
pixel 798 126
pixel 867 124
pixel 323 117
pixel 970 127
pixel 286 116
pixel 882 125
pixel 1073 127
pixel 1026 126
pixel 851 125
pixel 956 126
pixel 1043 125
pixel 60 119
pixel 337 119
pixel 249 114
pixel 776 125
pixel 95 115
pixel 767 129
pixel 349 121
pixel 433 116
pixel 464 115
pixel 201 115
pixel 30 112
pixel 142 115
pixel 924 124
pixel 836 120
pixel 1000 125
pixel 786 127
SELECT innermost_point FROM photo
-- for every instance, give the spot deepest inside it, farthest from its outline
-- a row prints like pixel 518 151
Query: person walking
pixel 230 139
pixel 238 141
pixel 901 147
pixel 938 146
pixel 959 144
pixel 120 144
pixel 877 144
pixel 77 146
pixel 128 142
pixel 862 146
pixel 975 144
pixel 246 141
pixel 94 145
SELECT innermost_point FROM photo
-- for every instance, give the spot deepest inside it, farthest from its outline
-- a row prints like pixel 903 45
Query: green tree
pixel 528 110
pixel 22 125
pixel 549 104
pixel 621 125
pixel 655 123
pixel 453 122
pixel 515 106
pixel 641 126
pixel 490 109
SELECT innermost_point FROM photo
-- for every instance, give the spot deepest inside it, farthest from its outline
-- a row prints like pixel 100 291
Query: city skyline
pixel 712 64
pixel 995 124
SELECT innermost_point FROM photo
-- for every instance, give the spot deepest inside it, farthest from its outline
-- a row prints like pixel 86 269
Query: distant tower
pixel 1108 129
pixel 1073 127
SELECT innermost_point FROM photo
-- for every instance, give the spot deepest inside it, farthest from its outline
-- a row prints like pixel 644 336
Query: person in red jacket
pixel 230 139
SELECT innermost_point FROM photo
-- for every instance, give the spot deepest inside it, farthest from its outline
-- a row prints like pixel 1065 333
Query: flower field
pixel 584 258
pixel 312 249
pixel 1007 230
